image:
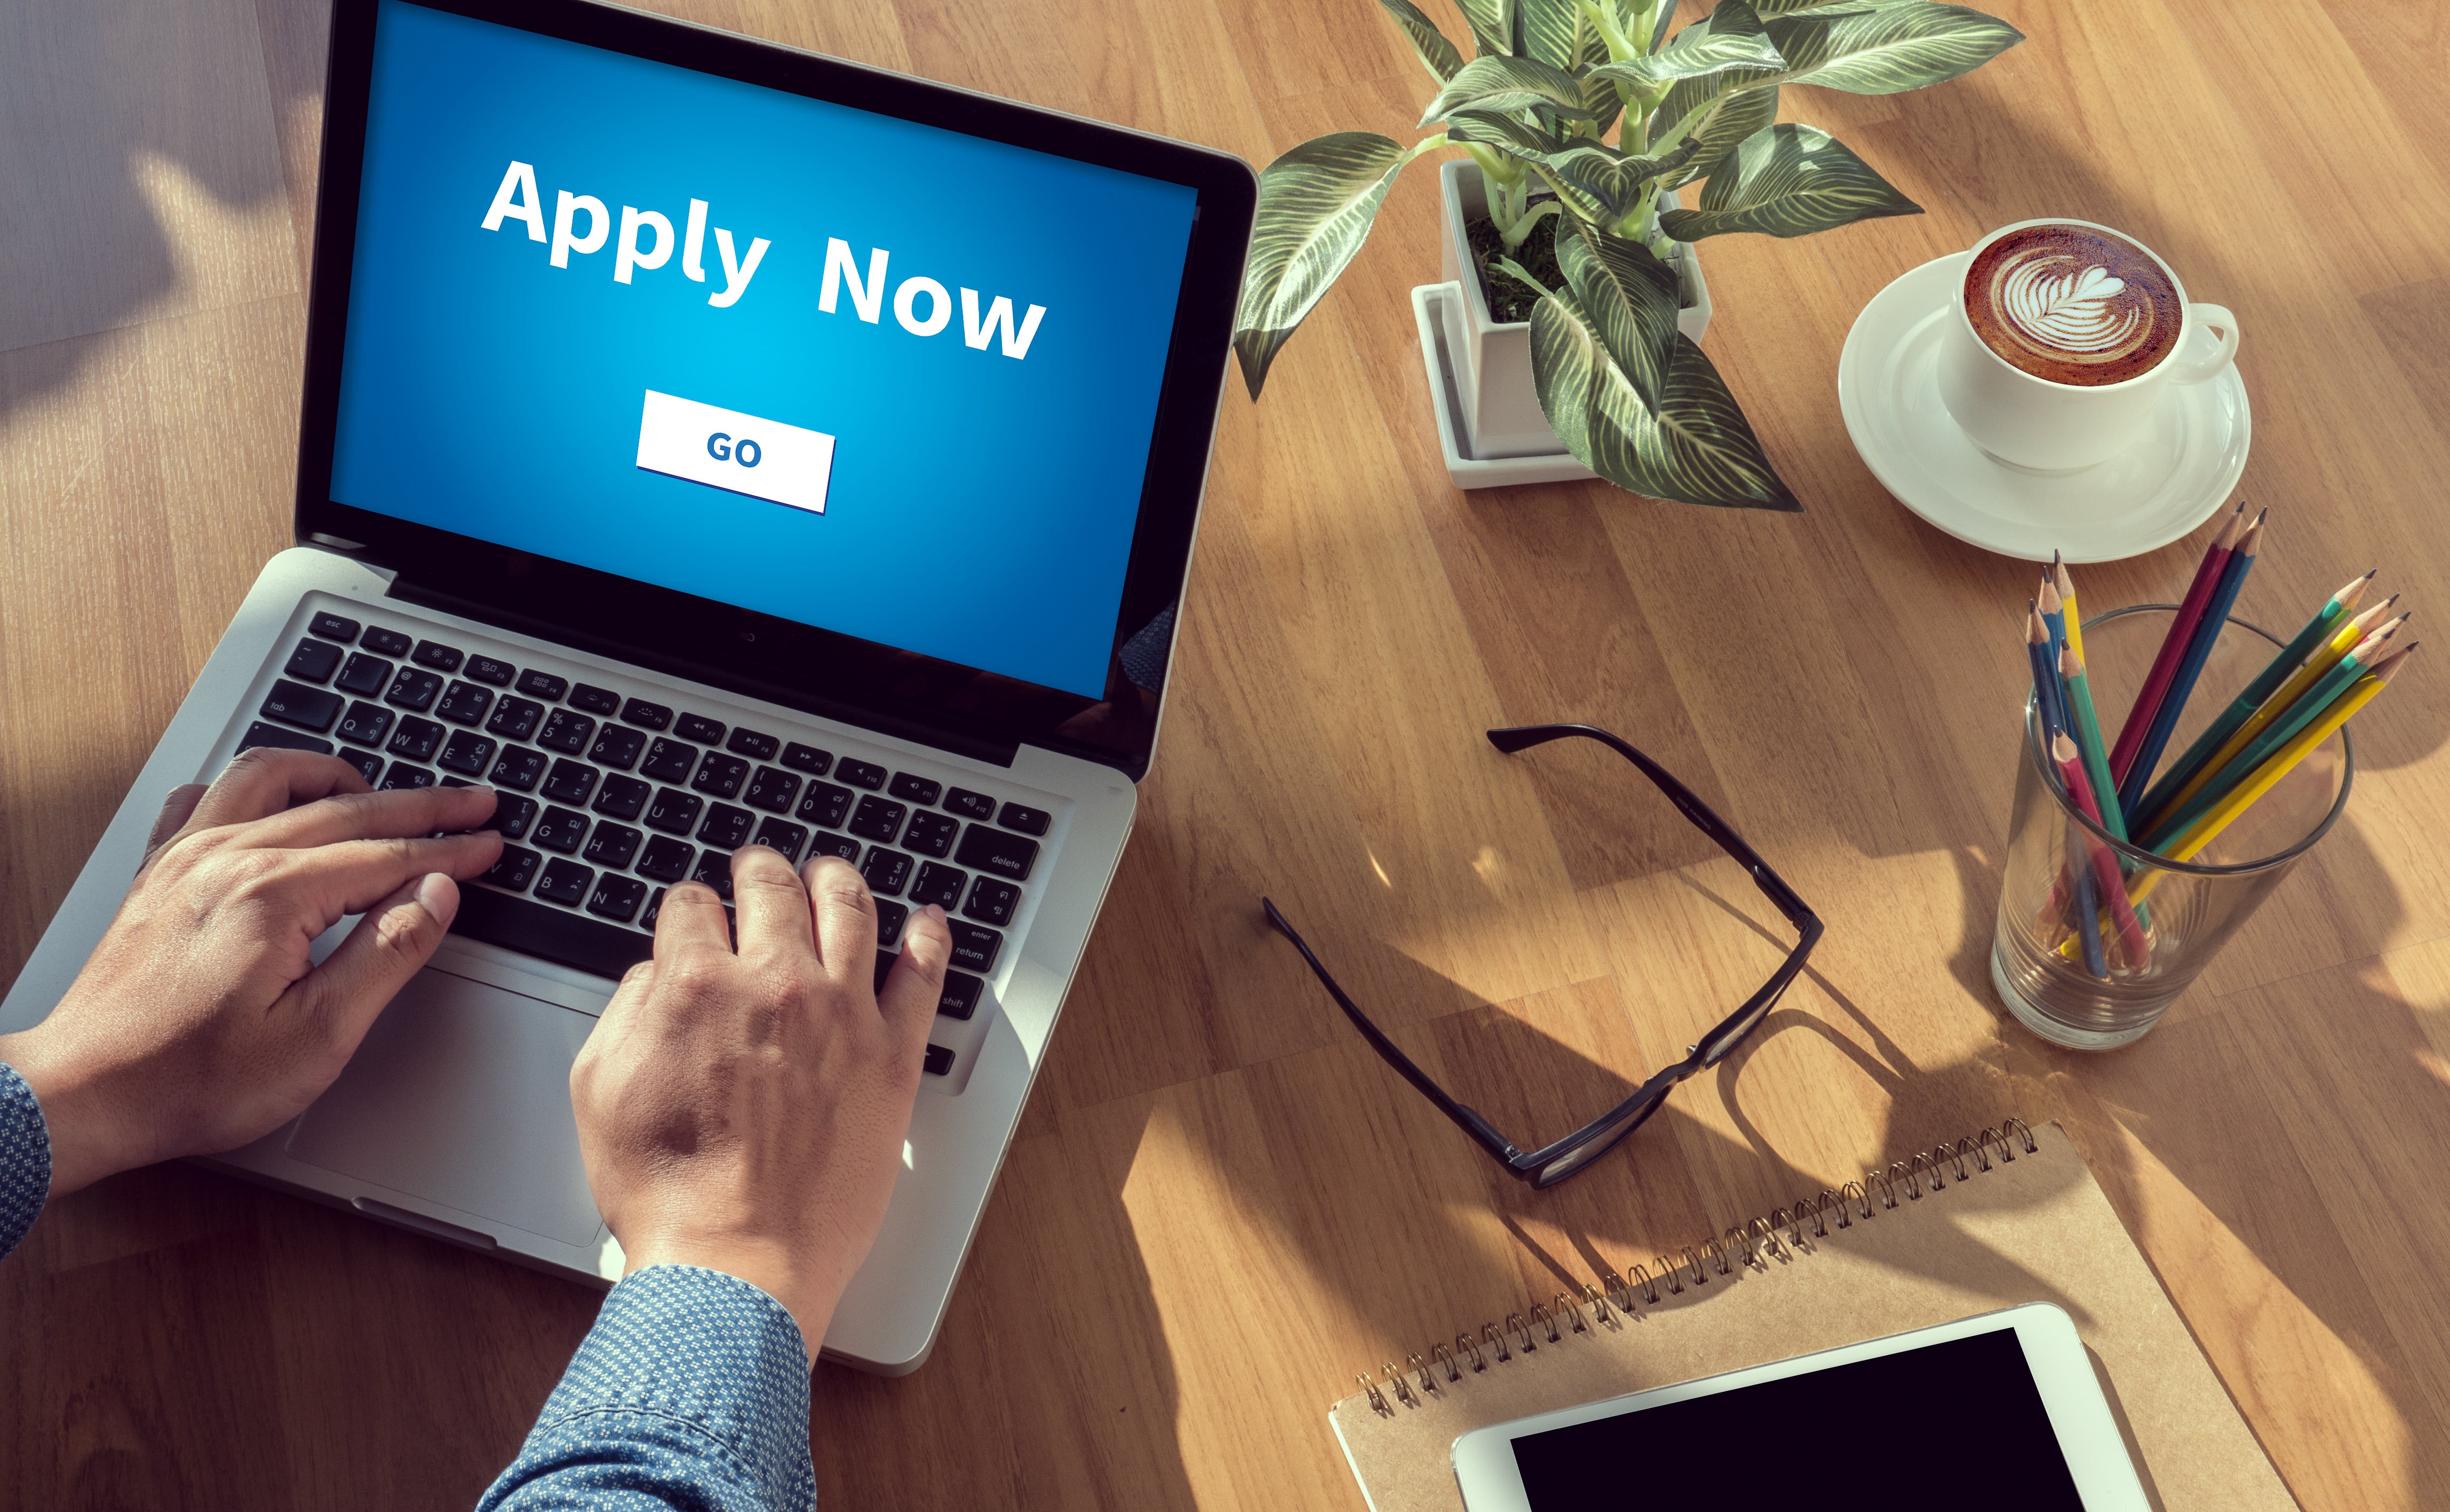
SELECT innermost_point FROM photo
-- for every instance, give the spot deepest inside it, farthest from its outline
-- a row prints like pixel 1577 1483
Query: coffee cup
pixel 2084 328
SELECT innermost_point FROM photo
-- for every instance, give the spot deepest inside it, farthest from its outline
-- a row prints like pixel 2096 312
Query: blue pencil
pixel 2165 719
pixel 2048 705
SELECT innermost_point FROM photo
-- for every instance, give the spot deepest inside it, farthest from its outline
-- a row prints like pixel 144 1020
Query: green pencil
pixel 2088 740
pixel 2291 657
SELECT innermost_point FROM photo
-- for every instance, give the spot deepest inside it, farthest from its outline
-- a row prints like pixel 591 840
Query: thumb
pixel 177 809
pixel 916 984
pixel 392 942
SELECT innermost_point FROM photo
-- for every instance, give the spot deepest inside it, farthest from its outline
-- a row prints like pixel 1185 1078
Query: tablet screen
pixel 1948 1424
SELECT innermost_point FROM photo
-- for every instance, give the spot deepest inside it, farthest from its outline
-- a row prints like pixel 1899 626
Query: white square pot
pixel 1493 363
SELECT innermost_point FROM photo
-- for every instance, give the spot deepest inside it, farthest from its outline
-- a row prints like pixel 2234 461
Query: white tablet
pixel 2002 1412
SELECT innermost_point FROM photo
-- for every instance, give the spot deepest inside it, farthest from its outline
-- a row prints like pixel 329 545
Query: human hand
pixel 202 1021
pixel 745 1109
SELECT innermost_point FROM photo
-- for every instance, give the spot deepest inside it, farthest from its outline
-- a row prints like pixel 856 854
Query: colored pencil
pixel 2173 646
pixel 2265 683
pixel 2085 725
pixel 2066 586
pixel 2306 711
pixel 2046 701
pixel 2191 666
pixel 2106 877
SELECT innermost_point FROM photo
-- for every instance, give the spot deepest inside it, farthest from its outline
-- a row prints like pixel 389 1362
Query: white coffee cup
pixel 2040 426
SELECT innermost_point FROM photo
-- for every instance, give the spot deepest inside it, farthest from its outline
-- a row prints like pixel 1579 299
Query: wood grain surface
pixel 1222 1205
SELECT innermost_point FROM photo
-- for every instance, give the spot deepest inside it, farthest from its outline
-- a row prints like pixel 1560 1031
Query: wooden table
pixel 1222 1205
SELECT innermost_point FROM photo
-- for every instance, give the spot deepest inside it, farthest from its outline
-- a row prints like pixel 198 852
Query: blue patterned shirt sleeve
pixel 692 1392
pixel 25 1158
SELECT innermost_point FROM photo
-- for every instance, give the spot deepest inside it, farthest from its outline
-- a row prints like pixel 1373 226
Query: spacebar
pixel 515 923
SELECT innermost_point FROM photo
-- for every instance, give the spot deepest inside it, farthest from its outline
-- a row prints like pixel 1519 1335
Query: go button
pixel 743 453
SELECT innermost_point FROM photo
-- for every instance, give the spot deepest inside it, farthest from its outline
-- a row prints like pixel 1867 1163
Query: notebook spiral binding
pixel 1777 1235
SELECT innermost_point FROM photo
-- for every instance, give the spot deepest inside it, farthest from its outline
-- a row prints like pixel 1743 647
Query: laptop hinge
pixel 999 752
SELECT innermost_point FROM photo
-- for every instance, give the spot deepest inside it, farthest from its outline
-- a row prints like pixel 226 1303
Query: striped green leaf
pixel 1788 7
pixel 1611 181
pixel 1630 297
pixel 1507 83
pixel 1436 53
pixel 1733 37
pixel 1317 203
pixel 1493 25
pixel 1553 31
pixel 1888 49
pixel 1490 128
pixel 1787 181
pixel 1731 119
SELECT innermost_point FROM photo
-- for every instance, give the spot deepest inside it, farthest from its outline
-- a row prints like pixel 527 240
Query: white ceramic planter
pixel 1493 363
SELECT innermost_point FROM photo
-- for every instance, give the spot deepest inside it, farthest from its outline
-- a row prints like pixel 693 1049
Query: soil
pixel 1510 300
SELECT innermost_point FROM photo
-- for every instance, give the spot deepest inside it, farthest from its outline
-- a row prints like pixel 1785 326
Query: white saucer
pixel 2166 485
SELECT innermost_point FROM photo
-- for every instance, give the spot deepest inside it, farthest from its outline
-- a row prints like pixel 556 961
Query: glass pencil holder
pixel 2171 917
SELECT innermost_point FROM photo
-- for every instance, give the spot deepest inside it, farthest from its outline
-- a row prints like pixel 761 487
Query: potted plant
pixel 1577 247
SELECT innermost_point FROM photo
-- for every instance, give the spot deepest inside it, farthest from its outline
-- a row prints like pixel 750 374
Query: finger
pixel 774 919
pixel 176 811
pixel 916 981
pixel 264 781
pixel 845 919
pixel 391 943
pixel 691 919
pixel 335 881
pixel 398 812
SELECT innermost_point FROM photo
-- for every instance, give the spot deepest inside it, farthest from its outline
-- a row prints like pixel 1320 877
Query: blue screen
pixel 588 288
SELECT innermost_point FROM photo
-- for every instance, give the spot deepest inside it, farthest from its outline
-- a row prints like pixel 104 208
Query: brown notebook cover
pixel 1962 1230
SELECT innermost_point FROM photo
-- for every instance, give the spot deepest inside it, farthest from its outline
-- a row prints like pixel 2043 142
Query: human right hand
pixel 743 1109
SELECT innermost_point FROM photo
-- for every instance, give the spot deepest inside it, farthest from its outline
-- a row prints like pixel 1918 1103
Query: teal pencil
pixel 2266 682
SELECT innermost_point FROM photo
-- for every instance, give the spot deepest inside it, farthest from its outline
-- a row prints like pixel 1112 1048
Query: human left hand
pixel 202 1021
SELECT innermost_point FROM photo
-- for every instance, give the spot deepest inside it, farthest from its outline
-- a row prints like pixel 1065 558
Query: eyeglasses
pixel 1553 1163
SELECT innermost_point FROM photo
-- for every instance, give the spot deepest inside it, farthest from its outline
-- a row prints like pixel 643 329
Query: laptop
pixel 708 442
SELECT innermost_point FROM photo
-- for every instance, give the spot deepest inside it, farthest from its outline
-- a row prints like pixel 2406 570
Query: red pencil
pixel 2108 881
pixel 2173 648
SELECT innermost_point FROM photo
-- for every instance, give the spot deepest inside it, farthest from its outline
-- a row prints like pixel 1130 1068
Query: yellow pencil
pixel 2066 587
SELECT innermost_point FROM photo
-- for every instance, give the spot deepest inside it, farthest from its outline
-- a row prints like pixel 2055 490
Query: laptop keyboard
pixel 609 798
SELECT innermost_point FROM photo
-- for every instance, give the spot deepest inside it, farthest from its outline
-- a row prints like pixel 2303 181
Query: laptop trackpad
pixel 461 1096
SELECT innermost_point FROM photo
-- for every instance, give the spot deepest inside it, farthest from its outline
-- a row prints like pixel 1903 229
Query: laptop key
pixel 468 753
pixel 726 827
pixel 654 911
pixel 622 797
pixel 260 733
pixel 514 719
pixel 714 869
pixel 543 685
pixel 969 805
pixel 315 661
pixel 974 946
pixel 366 724
pixel 699 728
pixel 782 835
pixel 885 959
pixel 666 860
pixel 307 707
pixel 595 700
pixel 441 658
pixel 486 669
pixel 920 790
pixel 773 790
pixel 613 845
pixel 516 868
pixel 959 999
pixel 519 768
pixel 829 843
pixel 824 803
pixel 572 940
pixel 650 716
pixel 931 834
pixel 403 775
pixel 413 688
pixel 674 812
pixel 415 739
pixel 669 761
pixel 860 774
pixel 570 783
pixel 984 849
pixel 364 676
pixel 887 871
pixel 464 702
pixel 369 765
pixel 386 642
pixel 877 819
pixel 564 883
pixel 1028 821
pixel 559 830
pixel 750 744
pixel 566 731
pixel 807 759
pixel 991 901
pixel 891 917
pixel 938 884
pixel 333 626
pixel 617 898
pixel 720 776
pixel 616 747
pixel 513 814
pixel 939 1062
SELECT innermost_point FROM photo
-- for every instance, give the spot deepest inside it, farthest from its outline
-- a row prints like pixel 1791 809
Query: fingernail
pixel 436 895
pixel 935 912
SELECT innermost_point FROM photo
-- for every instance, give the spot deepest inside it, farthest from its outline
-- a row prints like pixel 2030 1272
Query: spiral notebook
pixel 2006 1216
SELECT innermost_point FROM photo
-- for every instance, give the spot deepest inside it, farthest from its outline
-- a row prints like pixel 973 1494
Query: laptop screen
pixel 880 378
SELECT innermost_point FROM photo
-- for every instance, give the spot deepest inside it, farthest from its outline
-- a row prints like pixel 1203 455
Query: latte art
pixel 2073 305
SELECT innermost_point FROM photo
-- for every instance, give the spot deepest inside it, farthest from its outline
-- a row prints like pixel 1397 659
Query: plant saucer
pixel 1446 401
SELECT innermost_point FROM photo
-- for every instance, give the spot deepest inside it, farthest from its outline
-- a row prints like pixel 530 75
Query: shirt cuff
pixel 25 1159
pixel 692 1384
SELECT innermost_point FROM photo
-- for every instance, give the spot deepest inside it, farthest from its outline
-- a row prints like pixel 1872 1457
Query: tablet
pixel 2002 1411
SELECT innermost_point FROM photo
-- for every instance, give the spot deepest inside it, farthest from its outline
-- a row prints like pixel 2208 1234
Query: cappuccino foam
pixel 2073 305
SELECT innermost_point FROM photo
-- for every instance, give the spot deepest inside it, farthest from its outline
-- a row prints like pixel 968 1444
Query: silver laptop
pixel 706 442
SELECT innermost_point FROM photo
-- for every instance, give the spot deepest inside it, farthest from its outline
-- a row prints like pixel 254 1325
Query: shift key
pixel 307 707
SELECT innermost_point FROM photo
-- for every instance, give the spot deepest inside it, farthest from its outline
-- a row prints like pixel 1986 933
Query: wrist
pixel 87 1139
